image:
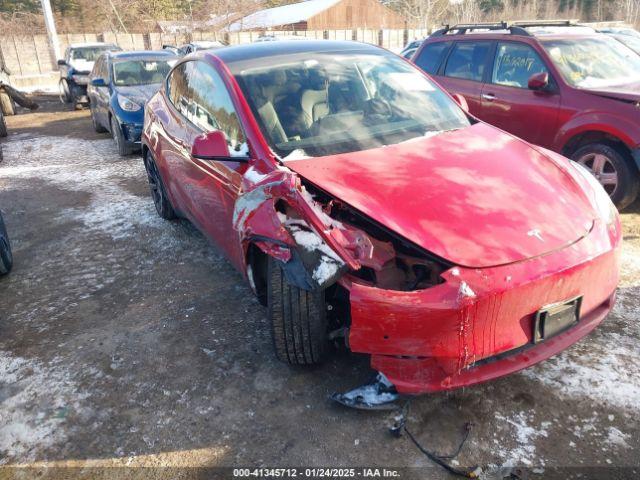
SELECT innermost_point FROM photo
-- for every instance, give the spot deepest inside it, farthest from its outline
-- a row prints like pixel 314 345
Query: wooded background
pixel 140 16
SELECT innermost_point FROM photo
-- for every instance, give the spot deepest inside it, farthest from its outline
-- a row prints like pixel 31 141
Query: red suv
pixel 561 86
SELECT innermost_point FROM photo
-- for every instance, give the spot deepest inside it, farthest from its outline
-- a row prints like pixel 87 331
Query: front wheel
pixel 298 320
pixel 613 169
pixel 124 148
pixel 7 105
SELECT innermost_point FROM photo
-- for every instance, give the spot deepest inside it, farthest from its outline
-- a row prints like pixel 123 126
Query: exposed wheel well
pixel 257 270
pixel 595 136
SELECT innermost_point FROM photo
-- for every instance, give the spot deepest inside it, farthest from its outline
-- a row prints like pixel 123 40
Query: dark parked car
pixel 194 47
pixel 364 205
pixel 121 83
pixel 564 87
pixel 6 258
pixel 411 48
pixel 75 68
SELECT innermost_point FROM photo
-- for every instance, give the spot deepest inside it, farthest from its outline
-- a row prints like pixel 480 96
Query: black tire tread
pixel 6 258
pixel 298 320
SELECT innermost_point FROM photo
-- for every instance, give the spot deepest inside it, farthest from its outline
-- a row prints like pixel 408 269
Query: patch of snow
pixel 330 263
pixel 253 175
pixel 524 436
pixel 38 398
pixel 617 438
pixel 283 15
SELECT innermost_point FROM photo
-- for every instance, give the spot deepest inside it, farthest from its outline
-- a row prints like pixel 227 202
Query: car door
pixel 211 188
pixel 507 101
pixel 463 71
pixel 103 94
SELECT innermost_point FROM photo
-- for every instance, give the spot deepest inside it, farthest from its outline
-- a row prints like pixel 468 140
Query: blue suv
pixel 120 84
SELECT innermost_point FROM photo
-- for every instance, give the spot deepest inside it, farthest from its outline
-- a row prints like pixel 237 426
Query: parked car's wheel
pixel 97 126
pixel 3 126
pixel 158 192
pixel 124 148
pixel 298 320
pixel 65 91
pixel 613 169
pixel 7 105
pixel 6 258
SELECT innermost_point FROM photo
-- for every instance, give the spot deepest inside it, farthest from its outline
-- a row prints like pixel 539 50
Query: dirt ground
pixel 126 340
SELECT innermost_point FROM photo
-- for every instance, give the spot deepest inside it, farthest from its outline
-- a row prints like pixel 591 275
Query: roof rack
pixel 514 28
pixel 463 28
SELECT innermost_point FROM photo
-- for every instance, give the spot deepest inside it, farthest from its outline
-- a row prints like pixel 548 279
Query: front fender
pixel 617 126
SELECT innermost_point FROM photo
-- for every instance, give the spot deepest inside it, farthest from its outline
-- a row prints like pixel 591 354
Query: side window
pixel 514 64
pixel 212 108
pixel 177 88
pixel 431 56
pixel 467 60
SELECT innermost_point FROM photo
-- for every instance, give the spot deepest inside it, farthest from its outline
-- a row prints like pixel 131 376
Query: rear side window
pixel 177 86
pixel 468 60
pixel 431 56
pixel 514 64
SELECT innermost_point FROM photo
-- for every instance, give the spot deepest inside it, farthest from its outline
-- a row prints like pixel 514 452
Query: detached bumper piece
pixel 378 395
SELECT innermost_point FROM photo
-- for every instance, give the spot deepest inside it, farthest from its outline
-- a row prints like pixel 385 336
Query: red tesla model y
pixel 364 204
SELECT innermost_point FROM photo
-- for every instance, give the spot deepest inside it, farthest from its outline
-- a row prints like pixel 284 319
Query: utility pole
pixel 51 28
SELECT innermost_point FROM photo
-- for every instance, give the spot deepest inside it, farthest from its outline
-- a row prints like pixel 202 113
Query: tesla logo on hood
pixel 535 233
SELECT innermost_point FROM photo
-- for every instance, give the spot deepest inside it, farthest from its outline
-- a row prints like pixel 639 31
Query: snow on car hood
pixel 477 197
pixel 81 65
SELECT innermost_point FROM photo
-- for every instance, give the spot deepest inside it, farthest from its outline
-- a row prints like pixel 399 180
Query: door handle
pixel 489 97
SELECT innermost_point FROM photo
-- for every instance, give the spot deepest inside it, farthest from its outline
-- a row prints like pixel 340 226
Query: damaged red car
pixel 365 205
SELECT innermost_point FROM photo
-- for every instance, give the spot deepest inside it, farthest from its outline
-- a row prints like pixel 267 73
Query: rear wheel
pixel 6 258
pixel 298 320
pixel 158 192
pixel 124 148
pixel 613 169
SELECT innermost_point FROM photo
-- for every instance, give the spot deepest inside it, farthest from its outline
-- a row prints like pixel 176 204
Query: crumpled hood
pixel 628 92
pixel 139 93
pixel 477 197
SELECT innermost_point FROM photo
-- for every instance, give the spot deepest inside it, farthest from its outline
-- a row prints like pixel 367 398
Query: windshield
pixel 140 72
pixel 90 54
pixel 315 104
pixel 594 62
pixel 632 42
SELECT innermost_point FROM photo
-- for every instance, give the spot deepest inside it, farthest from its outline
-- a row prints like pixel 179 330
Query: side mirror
pixel 61 63
pixel 538 81
pixel 213 146
pixel 461 101
pixel 98 82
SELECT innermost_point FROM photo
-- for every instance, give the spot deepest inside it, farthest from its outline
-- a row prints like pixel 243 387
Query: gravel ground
pixel 129 340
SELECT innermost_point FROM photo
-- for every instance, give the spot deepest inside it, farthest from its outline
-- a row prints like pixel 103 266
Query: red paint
pixel 516 220
pixel 549 119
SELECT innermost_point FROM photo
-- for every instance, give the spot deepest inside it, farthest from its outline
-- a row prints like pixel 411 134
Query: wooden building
pixel 322 15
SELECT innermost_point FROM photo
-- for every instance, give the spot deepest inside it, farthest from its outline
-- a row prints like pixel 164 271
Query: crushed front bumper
pixel 478 324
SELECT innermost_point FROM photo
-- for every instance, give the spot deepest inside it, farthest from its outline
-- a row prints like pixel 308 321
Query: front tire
pixel 7 105
pixel 613 169
pixel 6 258
pixel 298 320
pixel 123 147
pixel 158 192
